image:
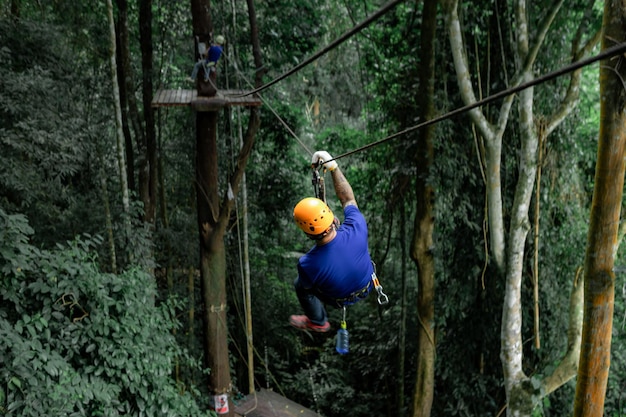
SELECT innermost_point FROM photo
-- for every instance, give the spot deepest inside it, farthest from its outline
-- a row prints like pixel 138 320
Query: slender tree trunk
pixel 149 194
pixel 248 285
pixel 119 134
pixel 126 87
pixel 191 316
pixel 107 215
pixel 422 245
pixel 403 315
pixel 256 45
pixel 595 355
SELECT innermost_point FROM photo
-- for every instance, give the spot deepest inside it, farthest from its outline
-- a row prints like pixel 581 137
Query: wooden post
pixel 212 262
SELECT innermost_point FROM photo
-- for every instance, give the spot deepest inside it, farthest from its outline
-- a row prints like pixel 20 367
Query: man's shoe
pixel 303 323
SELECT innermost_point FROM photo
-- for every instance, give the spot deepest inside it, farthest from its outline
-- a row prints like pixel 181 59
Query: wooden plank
pixel 265 403
pixel 188 96
pixel 157 97
pixel 224 98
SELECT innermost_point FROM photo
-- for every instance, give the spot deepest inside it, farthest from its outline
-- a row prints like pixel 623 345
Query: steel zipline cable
pixel 607 53
pixel 356 29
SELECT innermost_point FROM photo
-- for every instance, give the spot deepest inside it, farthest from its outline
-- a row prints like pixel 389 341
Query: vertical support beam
pixel 212 262
pixel 212 252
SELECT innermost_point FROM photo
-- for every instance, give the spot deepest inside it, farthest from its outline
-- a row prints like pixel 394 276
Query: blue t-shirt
pixel 214 53
pixel 342 266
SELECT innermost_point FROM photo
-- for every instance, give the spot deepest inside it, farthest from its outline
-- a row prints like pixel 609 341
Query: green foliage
pixel 292 32
pixel 46 136
pixel 75 341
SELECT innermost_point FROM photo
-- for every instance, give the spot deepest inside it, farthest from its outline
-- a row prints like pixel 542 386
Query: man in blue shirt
pixel 338 270
pixel 212 56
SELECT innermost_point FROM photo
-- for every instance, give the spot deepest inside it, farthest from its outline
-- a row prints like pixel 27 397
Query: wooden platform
pixel 223 98
pixel 266 403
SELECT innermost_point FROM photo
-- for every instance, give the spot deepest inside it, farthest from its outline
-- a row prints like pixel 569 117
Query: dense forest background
pixel 100 299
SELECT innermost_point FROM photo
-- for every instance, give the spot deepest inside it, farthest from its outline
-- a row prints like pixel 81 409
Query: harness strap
pixel 354 297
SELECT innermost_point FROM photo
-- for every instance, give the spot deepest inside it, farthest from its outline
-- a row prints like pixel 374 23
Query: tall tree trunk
pixel 119 134
pixel 212 257
pixel 213 218
pixel 422 244
pixel 131 117
pixel 595 355
pixel 511 353
pixel 126 86
pixel 212 250
pixel 148 191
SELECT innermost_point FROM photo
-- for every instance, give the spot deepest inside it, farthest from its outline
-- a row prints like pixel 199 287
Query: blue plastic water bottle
pixel 342 340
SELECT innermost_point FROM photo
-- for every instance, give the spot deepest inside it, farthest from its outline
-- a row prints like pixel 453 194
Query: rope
pixel 280 119
pixel 356 29
pixel 607 53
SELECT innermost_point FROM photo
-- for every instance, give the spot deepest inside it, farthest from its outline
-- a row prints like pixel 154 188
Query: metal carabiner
pixel 382 297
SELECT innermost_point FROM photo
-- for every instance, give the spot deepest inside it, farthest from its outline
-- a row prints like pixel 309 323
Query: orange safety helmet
pixel 313 216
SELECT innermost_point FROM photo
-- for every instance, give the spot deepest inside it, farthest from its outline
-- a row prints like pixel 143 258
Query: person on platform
pixel 209 61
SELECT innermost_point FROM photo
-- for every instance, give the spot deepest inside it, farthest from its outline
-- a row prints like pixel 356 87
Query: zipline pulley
pixel 319 189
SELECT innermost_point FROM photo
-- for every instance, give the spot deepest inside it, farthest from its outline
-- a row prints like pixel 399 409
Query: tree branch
pixel 568 367
pixel 544 26
pixel 573 90
pixel 462 69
